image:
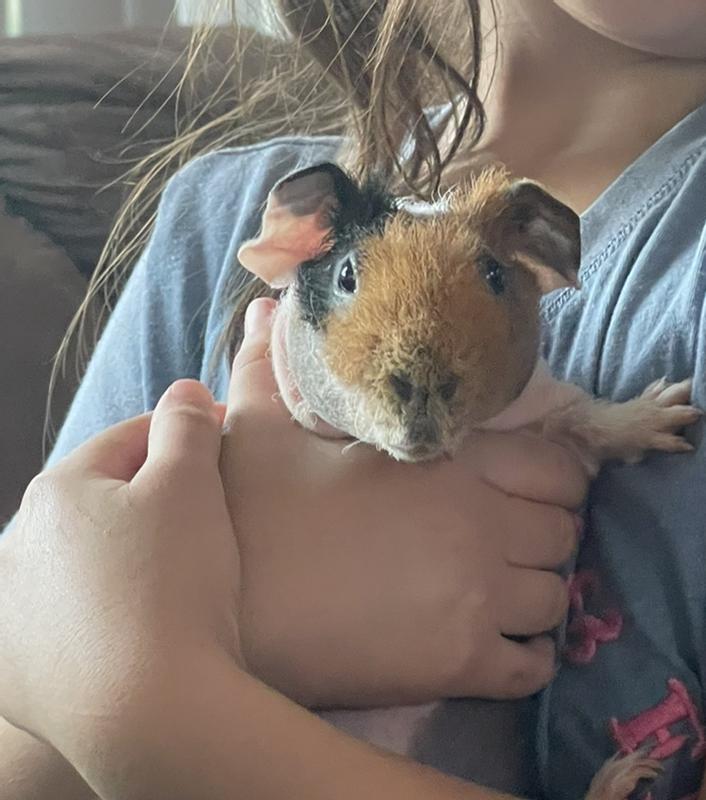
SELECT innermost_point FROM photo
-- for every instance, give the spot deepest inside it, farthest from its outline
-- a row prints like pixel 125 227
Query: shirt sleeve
pixel 153 336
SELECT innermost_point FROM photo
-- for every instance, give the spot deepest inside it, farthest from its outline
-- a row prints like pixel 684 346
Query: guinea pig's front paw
pixel 659 415
pixel 619 777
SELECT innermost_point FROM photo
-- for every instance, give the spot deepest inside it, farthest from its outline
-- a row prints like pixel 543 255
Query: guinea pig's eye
pixel 347 280
pixel 494 273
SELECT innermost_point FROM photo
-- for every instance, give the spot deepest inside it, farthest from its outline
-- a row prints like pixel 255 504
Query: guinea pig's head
pixel 402 324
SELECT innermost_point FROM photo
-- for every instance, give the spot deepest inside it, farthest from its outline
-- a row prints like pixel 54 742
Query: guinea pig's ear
pixel 297 224
pixel 543 234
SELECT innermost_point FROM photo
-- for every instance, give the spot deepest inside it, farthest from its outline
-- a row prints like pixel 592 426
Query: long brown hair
pixel 369 69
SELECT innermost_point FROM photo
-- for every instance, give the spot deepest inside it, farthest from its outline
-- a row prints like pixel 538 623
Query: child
pixel 603 103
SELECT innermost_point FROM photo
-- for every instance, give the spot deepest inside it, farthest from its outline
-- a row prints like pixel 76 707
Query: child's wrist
pixel 154 736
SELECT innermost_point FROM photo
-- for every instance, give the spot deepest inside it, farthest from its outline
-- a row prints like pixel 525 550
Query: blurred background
pixel 28 17
pixel 89 89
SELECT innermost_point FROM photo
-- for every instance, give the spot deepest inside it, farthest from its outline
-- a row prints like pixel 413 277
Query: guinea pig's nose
pixel 423 430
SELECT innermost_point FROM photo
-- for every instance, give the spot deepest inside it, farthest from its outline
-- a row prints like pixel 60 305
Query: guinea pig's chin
pixel 414 454
pixel 420 453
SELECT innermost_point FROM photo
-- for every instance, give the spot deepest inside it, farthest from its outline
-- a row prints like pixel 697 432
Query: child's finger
pixel 252 381
pixel 521 668
pixel 186 431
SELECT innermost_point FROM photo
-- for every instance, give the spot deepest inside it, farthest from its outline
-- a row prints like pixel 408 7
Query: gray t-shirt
pixel 632 675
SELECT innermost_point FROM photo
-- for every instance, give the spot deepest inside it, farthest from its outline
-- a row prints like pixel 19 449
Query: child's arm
pixel 233 737
pixel 265 760
pixel 31 770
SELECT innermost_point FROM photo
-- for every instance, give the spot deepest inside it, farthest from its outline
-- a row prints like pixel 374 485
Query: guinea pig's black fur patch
pixel 360 212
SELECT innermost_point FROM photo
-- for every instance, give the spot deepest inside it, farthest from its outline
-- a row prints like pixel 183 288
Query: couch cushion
pixel 60 145
pixel 76 111
pixel 40 289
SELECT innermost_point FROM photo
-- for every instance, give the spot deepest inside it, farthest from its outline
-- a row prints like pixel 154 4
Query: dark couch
pixel 69 108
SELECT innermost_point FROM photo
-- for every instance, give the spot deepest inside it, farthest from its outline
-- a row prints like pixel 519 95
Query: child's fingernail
pixel 580 525
pixel 258 313
pixel 191 392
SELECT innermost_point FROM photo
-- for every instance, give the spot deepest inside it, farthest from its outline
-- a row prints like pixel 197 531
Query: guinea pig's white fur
pixel 296 342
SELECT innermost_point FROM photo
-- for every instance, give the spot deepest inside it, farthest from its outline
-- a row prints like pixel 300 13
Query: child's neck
pixel 569 107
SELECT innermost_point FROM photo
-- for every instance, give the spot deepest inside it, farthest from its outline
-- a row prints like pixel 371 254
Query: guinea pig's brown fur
pixel 424 310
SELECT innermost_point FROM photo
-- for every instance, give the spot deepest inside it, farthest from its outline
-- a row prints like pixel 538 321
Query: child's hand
pixel 367 581
pixel 119 575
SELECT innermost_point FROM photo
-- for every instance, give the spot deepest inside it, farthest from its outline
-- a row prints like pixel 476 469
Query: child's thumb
pixel 252 380
pixel 185 434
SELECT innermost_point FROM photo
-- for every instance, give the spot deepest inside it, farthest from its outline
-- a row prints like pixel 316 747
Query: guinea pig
pixel 406 325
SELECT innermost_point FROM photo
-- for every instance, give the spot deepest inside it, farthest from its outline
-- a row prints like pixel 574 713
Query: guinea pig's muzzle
pixel 425 416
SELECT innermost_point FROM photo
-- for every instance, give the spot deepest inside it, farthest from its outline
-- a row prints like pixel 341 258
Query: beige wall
pixel 89 16
pixel 150 13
